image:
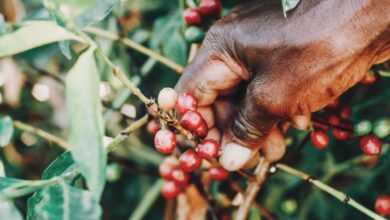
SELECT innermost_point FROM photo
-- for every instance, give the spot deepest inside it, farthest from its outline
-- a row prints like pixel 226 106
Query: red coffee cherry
pixel 167 166
pixel 208 149
pixel 340 134
pixel 319 139
pixel 167 99
pixel 165 141
pixel 382 205
pixel 218 173
pixel 192 121
pixel 170 189
pixel 153 126
pixel 192 17
pixel 186 102
pixel 334 120
pixel 189 161
pixel 345 112
pixel 370 145
pixel 201 131
pixel 210 7
pixel 180 177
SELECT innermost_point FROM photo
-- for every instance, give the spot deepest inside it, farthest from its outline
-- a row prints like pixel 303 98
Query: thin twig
pixel 138 47
pixel 43 134
pixel 253 188
pixel 328 189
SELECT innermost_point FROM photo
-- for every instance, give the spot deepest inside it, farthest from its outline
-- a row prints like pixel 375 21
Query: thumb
pixel 250 130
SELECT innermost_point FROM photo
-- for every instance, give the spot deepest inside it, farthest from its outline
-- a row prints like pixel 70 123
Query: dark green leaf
pixel 176 48
pixel 6 130
pixel 33 34
pixel 59 166
pixel 86 121
pixel 12 188
pixel 63 202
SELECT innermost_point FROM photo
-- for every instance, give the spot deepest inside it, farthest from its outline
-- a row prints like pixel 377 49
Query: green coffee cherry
pixel 113 172
pixel 193 34
pixel 289 206
pixel 382 128
pixel 362 128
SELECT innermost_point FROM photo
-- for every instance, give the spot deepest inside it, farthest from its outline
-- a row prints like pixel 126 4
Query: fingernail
pixel 234 156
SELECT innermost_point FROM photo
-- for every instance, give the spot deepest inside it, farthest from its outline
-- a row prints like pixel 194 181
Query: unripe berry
pixel 345 112
pixel 340 134
pixel 208 149
pixel 167 99
pixel 165 141
pixel 192 17
pixel 193 121
pixel 153 126
pixel 218 173
pixel 193 34
pixel 370 145
pixel 382 205
pixel 186 102
pixel 180 177
pixel 189 161
pixel 167 166
pixel 319 139
pixel 170 189
pixel 210 7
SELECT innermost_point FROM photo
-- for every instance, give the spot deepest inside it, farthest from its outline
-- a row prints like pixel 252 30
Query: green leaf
pixel 63 202
pixel 62 164
pixel 7 208
pixel 33 34
pixel 176 48
pixel 163 29
pixel 96 13
pixel 289 5
pixel 12 188
pixel 6 130
pixel 86 120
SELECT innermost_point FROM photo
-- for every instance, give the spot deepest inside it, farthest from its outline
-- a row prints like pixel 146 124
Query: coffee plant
pixel 91 127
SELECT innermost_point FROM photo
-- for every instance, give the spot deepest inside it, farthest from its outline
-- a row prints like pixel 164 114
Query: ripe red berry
pixel 210 7
pixel 382 205
pixel 170 189
pixel 192 17
pixel 334 120
pixel 167 166
pixel 167 99
pixel 165 141
pixel 370 145
pixel 193 121
pixel 189 161
pixel 208 149
pixel 345 112
pixel 319 139
pixel 218 173
pixel 152 127
pixel 340 134
pixel 186 102
pixel 180 177
pixel 201 131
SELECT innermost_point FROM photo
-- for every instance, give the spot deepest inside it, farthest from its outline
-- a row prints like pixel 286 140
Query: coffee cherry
pixel 165 141
pixel 180 177
pixel 186 102
pixel 201 131
pixel 345 112
pixel 370 145
pixel 192 121
pixel 382 205
pixel 363 127
pixel 340 134
pixel 334 120
pixel 167 99
pixel 218 173
pixel 208 149
pixel 152 127
pixel 167 166
pixel 170 189
pixel 210 7
pixel 368 79
pixel 189 161
pixel 192 17
pixel 193 34
pixel 319 139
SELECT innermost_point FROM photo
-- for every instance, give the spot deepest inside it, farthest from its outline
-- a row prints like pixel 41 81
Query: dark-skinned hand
pixel 290 66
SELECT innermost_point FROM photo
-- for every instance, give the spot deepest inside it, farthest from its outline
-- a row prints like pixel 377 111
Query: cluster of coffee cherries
pixel 338 120
pixel 382 205
pixel 176 172
pixel 196 16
